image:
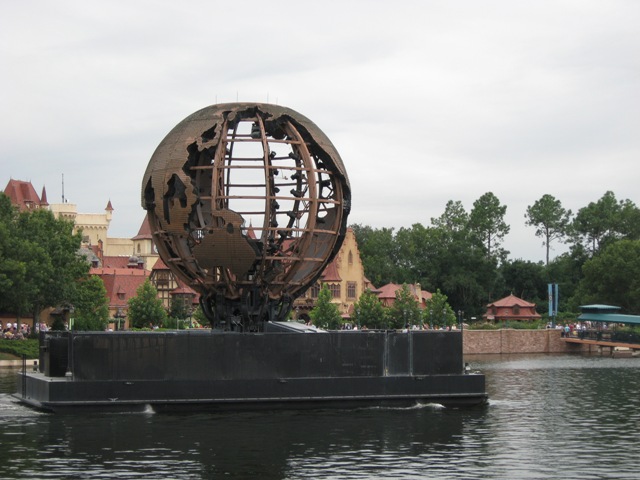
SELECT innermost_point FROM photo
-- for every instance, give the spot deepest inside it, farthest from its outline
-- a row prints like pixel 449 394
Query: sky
pixel 426 101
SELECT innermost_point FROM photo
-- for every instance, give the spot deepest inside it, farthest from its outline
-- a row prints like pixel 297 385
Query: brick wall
pixel 517 341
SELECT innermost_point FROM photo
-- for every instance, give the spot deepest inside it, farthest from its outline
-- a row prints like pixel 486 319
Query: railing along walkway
pixel 605 339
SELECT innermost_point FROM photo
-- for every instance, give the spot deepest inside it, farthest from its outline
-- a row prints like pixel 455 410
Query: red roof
pixel 115 261
pixel 160 265
pixel 145 230
pixel 330 273
pixel 388 292
pixel 121 283
pixel 511 301
pixel 22 194
pixel 43 197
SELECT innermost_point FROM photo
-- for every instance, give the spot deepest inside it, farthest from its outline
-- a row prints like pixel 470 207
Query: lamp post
pixel 431 318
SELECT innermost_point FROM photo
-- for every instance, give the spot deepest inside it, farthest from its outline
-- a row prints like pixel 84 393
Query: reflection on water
pixel 548 417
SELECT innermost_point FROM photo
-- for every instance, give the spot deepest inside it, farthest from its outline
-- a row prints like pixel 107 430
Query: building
pixel 171 288
pixel 387 294
pixel 24 196
pixel 121 285
pixel 510 308
pixel 344 277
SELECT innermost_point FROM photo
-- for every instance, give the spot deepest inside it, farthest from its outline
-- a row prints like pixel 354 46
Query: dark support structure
pixel 203 370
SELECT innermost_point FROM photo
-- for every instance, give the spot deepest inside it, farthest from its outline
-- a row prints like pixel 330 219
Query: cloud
pixel 426 101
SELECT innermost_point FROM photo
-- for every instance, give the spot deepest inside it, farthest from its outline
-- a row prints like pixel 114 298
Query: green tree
pixel 39 261
pixel 326 314
pixel 550 219
pixel 527 280
pixel 460 266
pixel 146 308
pixel 405 310
pixel 613 277
pixel 368 311
pixel 91 307
pixel 605 221
pixel 178 311
pixel 438 312
pixel 487 221
pixel 378 253
pixel 566 271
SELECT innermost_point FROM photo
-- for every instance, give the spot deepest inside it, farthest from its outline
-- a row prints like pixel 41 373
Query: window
pixel 315 290
pixel 351 290
pixel 516 310
pixel 334 288
pixel 350 258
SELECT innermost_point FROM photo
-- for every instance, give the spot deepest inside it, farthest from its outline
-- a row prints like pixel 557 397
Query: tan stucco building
pixel 344 277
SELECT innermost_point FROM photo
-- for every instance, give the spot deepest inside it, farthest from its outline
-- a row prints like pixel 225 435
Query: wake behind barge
pixel 207 370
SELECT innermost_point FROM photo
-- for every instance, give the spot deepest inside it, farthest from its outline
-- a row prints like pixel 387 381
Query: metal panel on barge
pixel 204 370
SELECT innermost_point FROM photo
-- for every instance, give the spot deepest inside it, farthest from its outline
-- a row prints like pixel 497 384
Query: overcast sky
pixel 426 101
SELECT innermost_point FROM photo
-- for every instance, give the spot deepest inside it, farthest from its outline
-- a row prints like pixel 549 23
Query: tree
pixel 613 277
pixel 454 219
pixel 405 310
pixel 326 314
pixel 605 221
pixel 368 311
pixel 438 312
pixel 378 253
pixel 549 218
pixel 459 264
pixel 178 310
pixel 91 308
pixel 525 279
pixel 146 308
pixel 39 261
pixel 487 220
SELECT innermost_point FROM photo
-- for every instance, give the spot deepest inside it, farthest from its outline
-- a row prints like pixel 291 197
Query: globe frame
pixel 229 164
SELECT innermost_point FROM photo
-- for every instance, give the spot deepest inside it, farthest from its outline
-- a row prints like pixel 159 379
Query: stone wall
pixel 517 341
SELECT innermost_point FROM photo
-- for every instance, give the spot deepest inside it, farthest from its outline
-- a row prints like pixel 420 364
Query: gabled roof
pixel 22 194
pixel 511 301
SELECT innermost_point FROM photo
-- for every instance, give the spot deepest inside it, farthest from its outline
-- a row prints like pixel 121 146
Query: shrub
pixel 29 347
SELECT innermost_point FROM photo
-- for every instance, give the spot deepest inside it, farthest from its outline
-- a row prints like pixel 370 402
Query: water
pixel 560 417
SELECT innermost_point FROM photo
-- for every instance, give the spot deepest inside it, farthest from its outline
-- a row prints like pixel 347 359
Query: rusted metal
pixel 248 203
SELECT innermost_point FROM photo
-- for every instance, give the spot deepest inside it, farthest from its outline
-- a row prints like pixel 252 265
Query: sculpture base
pixel 206 370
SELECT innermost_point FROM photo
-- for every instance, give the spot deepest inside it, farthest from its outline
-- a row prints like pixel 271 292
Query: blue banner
pixel 553 299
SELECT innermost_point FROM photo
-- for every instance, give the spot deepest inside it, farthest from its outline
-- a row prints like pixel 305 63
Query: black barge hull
pixel 201 370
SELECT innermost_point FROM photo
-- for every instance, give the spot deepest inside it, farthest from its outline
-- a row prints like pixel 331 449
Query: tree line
pixel 461 253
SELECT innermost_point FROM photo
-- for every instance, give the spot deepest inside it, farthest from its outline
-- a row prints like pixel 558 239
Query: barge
pixel 282 367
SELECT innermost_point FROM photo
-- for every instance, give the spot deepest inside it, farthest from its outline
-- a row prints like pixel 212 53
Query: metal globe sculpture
pixel 248 204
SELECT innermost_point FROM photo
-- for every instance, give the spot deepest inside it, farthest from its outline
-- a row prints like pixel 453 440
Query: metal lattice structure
pixel 247 203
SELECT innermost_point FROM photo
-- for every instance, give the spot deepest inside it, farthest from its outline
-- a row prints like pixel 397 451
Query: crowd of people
pixel 11 331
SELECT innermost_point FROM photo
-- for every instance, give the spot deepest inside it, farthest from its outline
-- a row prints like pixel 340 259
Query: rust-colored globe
pixel 248 203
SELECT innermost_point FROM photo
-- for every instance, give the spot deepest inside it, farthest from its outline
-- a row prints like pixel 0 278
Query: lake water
pixel 560 417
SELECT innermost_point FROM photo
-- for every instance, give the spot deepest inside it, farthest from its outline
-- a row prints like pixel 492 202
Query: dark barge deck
pixel 204 370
